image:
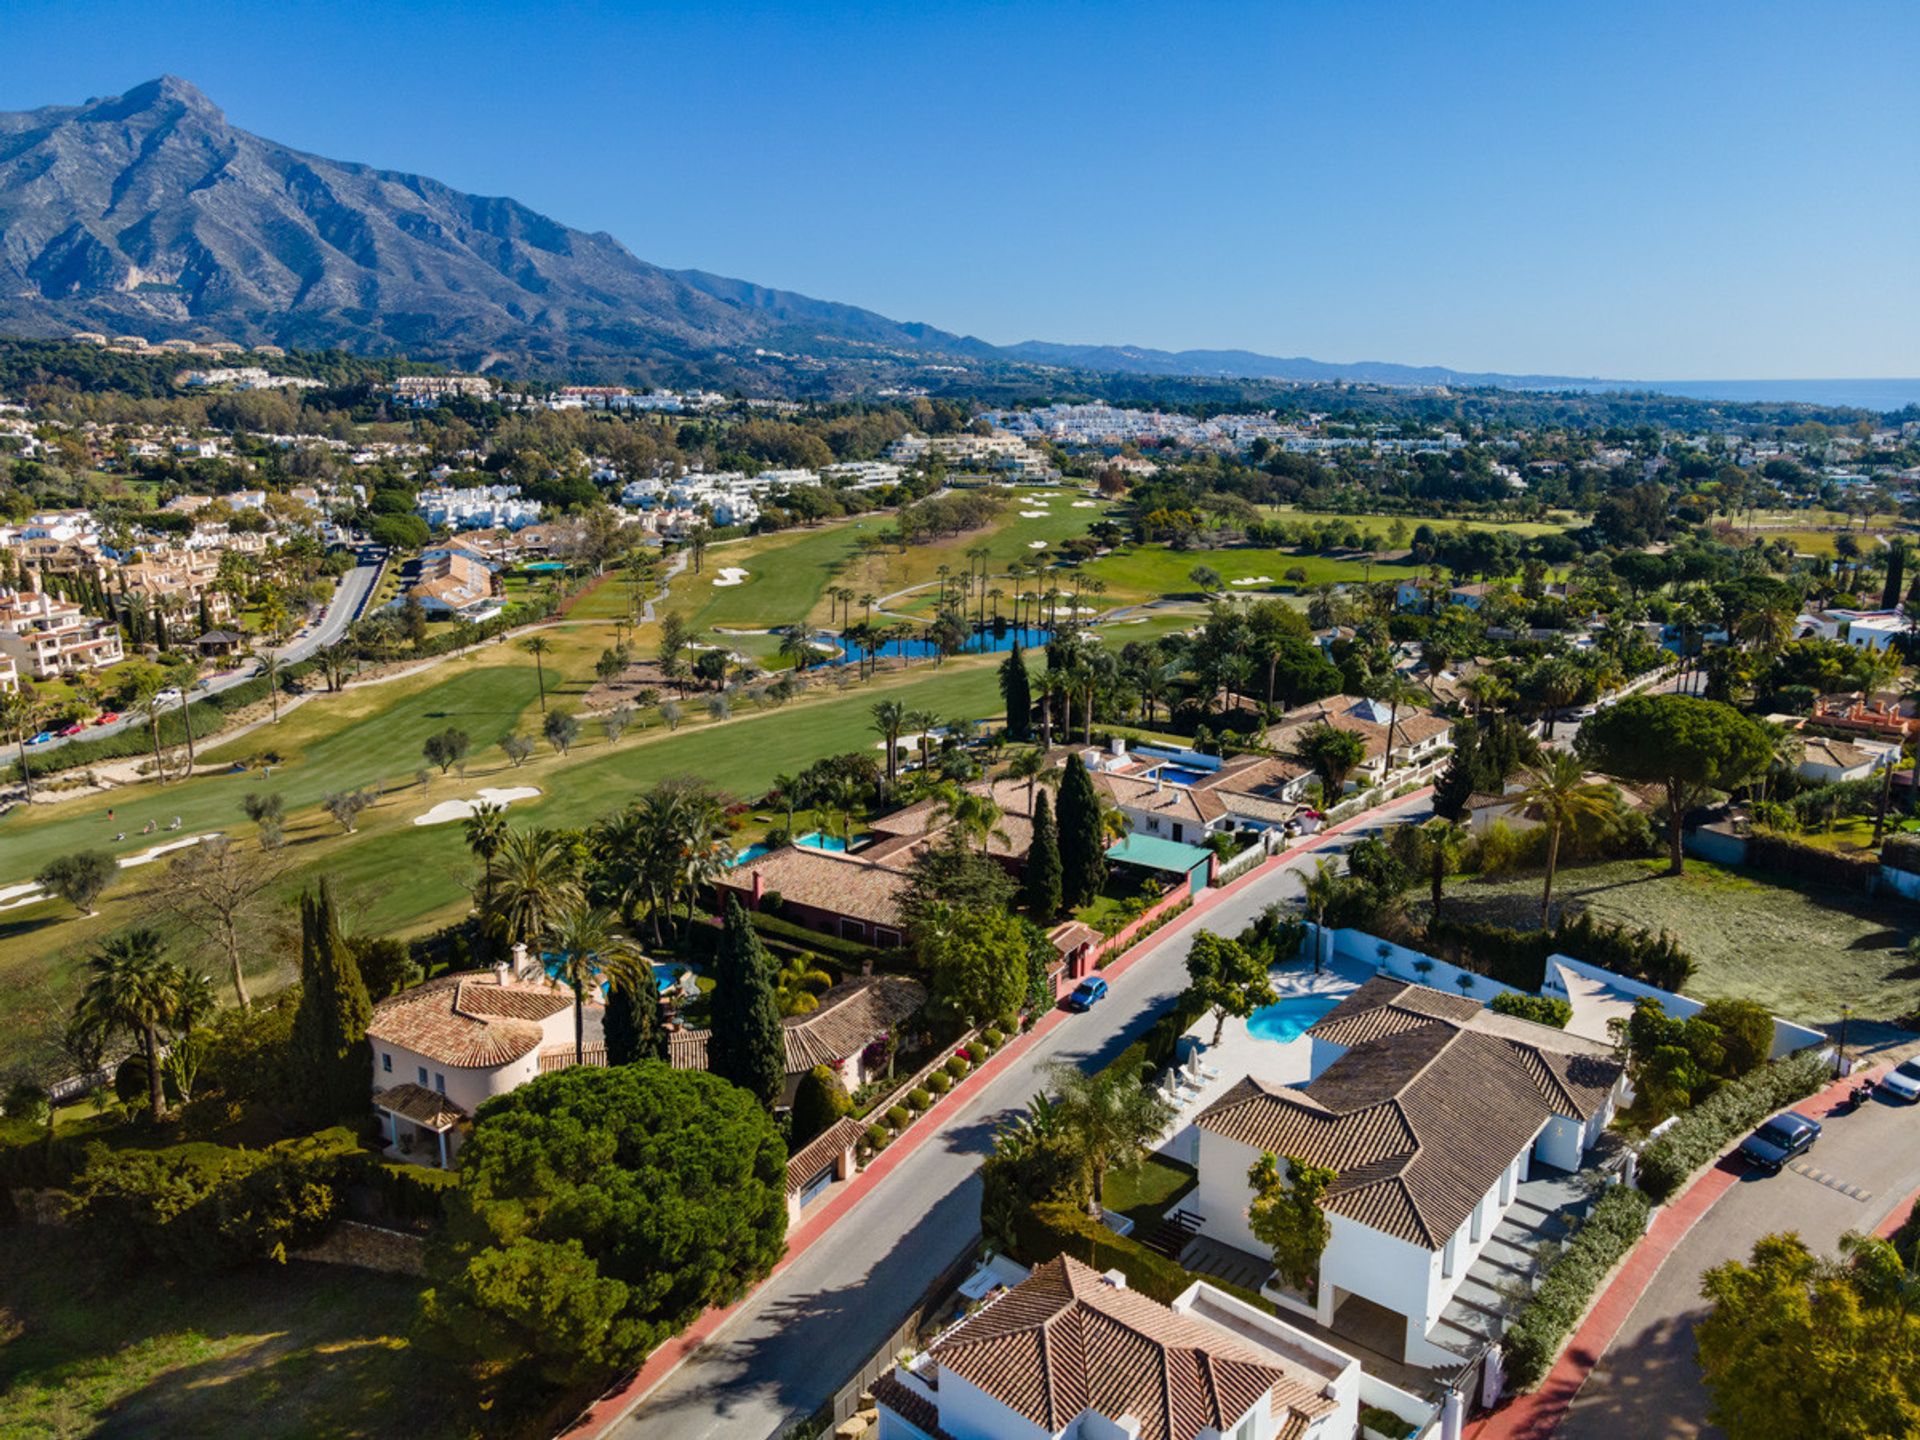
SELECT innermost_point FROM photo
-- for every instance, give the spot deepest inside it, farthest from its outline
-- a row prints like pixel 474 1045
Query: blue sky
pixel 1681 190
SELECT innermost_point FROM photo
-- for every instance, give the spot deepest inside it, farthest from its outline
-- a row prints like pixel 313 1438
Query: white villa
pixel 1433 1111
pixel 1419 735
pixel 1071 1354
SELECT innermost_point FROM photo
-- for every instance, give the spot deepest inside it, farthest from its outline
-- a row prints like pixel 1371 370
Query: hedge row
pixel 1543 1320
pixel 1700 1133
pixel 1060 1227
pixel 850 953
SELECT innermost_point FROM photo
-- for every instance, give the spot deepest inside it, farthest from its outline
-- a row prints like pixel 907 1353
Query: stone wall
pixel 368 1247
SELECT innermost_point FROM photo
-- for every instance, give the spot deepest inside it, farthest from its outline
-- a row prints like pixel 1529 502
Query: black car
pixel 1781 1139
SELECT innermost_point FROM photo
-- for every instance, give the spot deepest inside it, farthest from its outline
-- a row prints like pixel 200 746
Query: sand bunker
pixel 449 810
pixel 1086 504
pixel 1253 580
pixel 1036 544
pixel 731 575
pixel 1034 514
pixel 154 852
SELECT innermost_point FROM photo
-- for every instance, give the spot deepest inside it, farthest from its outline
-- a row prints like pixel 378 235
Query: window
pixel 1473 1234
pixel 423 1075
pixel 1446 1257
pixel 386 1062
pixel 1247 1428
pixel 440 1082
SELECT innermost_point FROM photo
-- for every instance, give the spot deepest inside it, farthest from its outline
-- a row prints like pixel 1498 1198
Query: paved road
pixel 341 611
pixel 1648 1384
pixel 817 1322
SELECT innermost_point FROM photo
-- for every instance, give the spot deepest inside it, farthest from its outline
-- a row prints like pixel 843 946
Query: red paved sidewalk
pixel 1537 1414
pixel 664 1361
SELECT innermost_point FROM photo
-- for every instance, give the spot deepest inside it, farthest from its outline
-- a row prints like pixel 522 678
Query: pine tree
pixel 632 1023
pixel 1018 693
pixel 328 1048
pixel 1456 783
pixel 746 1046
pixel 1041 889
pixel 1083 861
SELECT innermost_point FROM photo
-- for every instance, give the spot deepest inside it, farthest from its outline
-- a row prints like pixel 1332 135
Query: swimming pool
pixel 665 975
pixel 1181 774
pixel 814 840
pixel 1290 1018
pixel 752 852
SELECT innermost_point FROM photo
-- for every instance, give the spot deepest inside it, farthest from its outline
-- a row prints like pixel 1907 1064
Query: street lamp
pixel 1846 1014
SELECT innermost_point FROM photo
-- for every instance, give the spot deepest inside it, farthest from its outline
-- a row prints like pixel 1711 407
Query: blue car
pixel 42 738
pixel 1087 994
pixel 1785 1137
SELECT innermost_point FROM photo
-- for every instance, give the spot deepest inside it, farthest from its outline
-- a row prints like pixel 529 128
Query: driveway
pixel 1647 1384
pixel 786 1350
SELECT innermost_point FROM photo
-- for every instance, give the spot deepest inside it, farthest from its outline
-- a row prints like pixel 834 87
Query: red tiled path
pixel 1537 1414
pixel 663 1361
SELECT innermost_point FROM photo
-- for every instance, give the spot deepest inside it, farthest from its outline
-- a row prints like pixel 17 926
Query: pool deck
pixel 1241 1053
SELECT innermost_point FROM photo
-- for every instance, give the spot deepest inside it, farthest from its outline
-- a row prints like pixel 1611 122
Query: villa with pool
pixel 1454 1132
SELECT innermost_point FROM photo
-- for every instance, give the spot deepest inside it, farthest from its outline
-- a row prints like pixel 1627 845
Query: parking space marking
pixel 1832 1182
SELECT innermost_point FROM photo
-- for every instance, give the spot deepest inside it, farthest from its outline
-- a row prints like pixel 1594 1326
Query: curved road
pixel 342 610
pixel 791 1345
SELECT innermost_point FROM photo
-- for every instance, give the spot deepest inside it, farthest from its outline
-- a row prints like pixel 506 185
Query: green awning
pixel 1152 853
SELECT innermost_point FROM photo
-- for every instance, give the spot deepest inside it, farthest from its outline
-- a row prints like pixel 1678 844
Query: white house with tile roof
pixel 1071 1354
pixel 1432 1110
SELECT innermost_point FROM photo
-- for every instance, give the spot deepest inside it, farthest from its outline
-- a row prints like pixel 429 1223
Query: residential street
pixel 1647 1384
pixel 790 1347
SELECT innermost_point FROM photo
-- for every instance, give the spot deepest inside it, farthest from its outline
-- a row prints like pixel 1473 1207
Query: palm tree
pixel 1443 839
pixel 975 817
pixel 536 646
pixel 796 645
pixel 1394 688
pixel 537 881
pixel 133 987
pixel 185 674
pixel 889 719
pixel 793 792
pixel 589 954
pixel 1031 766
pixel 1319 889
pixel 1108 1119
pixel 486 829
pixel 1559 795
pixel 921 723
pixel 20 713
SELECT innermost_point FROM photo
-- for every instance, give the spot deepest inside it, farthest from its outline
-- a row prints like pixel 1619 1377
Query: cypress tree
pixel 1456 783
pixel 328 1048
pixel 1083 861
pixel 1896 571
pixel 1016 690
pixel 746 1046
pixel 632 1023
pixel 1041 889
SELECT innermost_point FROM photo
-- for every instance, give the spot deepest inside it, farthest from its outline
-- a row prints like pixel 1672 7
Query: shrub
pixel 1385 1422
pixel 1543 1319
pixel 1541 1009
pixel 409 1195
pixel 897 1116
pixel 919 1099
pixel 1698 1134
pixel 994 1038
pixel 958 1065
pixel 877 1137
pixel 940 1082
pixel 1060 1226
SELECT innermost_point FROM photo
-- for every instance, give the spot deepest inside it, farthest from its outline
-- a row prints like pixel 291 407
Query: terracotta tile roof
pixel 1411 726
pixel 560 1057
pixel 923 819
pixel 1064 1341
pixel 1432 1100
pixel 1070 935
pixel 849 885
pixel 917 1412
pixel 1174 801
pixel 826 1147
pixel 468 1020
pixel 420 1105
pixel 850 1016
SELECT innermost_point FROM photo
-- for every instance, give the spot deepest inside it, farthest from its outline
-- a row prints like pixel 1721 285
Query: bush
pixel 994 1038
pixel 877 1137
pixel 1541 1323
pixel 1541 1009
pixel 940 1082
pixel 410 1196
pixel 1385 1422
pixel 919 1099
pixel 958 1065
pixel 1699 1134
pixel 1055 1227
pixel 898 1117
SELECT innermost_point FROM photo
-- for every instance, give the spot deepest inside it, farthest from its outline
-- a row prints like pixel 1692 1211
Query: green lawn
pixel 297 1350
pixel 1145 1194
pixel 1802 951
pixel 1525 529
pixel 785 574
pixel 1143 571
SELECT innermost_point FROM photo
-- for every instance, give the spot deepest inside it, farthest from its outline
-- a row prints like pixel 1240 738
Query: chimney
pixel 759 888
pixel 1119 743
pixel 1116 1278
pixel 499 972
pixel 519 958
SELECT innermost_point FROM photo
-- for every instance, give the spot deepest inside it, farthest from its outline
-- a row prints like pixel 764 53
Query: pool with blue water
pixel 1290 1018
pixel 1181 774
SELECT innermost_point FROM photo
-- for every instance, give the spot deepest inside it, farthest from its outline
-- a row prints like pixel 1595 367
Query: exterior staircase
pixel 1508 1265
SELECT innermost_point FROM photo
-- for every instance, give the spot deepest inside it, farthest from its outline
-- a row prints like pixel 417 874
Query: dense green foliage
pixel 1541 1009
pixel 327 1050
pixel 1083 861
pixel 1541 1322
pixel 819 1101
pixel 1040 880
pixel 1699 1134
pixel 745 1047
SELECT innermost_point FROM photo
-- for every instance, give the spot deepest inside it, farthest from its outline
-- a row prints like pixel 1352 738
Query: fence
pixel 846 1400
pixel 1156 915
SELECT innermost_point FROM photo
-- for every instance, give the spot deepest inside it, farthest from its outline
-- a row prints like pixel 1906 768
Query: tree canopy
pixel 746 1046
pixel 1227 977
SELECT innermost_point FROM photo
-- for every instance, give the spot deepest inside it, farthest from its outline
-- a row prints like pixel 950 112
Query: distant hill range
pixel 147 213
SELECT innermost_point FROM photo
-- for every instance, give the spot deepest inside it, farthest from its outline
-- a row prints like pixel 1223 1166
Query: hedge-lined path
pixel 854 1270
pixel 1629 1369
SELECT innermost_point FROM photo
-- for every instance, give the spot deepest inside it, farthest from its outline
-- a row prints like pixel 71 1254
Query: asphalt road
pixel 341 610
pixel 816 1323
pixel 1648 1384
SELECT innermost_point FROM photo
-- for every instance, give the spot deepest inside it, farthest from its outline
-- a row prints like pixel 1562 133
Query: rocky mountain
pixel 147 213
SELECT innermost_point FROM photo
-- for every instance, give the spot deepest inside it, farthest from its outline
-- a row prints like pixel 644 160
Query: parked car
pixel 43 738
pixel 106 717
pixel 1087 994
pixel 1785 1137
pixel 1903 1081
pixel 74 729
pixel 168 697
